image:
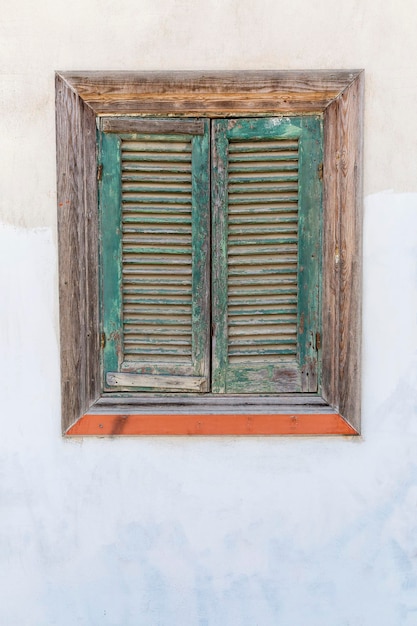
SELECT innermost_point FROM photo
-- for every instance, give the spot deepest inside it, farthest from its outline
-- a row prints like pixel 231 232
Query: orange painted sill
pixel 211 424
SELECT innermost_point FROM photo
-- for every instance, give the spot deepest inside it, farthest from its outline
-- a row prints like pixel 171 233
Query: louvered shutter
pixel 154 211
pixel 266 199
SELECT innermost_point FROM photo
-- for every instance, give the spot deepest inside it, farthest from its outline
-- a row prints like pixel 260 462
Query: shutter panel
pixel 266 252
pixel 154 201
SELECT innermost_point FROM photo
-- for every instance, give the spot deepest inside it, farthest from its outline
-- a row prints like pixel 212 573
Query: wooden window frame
pixel 82 97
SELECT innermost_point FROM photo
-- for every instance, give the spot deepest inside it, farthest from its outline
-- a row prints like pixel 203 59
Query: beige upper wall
pixel 38 38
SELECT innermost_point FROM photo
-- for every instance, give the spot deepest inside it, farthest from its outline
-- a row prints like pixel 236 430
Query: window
pixel 259 173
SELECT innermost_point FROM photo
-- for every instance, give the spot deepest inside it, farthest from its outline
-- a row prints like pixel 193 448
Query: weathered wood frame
pixel 81 97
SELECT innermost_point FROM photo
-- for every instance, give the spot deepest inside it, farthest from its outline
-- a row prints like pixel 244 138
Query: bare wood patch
pixel 211 93
pixel 350 173
pixel 190 383
pixel 163 127
pixel 342 274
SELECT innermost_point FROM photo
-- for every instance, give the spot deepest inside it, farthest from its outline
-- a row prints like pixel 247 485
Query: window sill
pixel 231 415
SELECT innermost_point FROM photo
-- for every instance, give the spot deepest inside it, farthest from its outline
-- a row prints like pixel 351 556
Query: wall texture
pixel 216 531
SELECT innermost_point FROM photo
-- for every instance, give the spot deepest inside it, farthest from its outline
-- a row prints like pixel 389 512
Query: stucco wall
pixel 216 531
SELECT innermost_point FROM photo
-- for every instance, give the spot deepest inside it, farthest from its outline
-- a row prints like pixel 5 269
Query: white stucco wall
pixel 215 531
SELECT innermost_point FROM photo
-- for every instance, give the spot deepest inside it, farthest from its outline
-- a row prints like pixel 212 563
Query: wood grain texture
pixel 342 276
pixel 350 177
pixel 219 424
pixel 163 127
pixel 182 383
pixel 209 93
pixel 77 236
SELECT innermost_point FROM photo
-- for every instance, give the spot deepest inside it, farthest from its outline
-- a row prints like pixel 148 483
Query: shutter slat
pixel 286 165
pixel 170 331
pixel 156 229
pixel 149 185
pixel 278 250
pixel 261 352
pixel 288 196
pixel 267 144
pixel 144 238
pixel 156 158
pixel 184 250
pixel 168 217
pixel 134 261
pixel 262 311
pixel 156 308
pixel 258 241
pixel 162 324
pixel 160 198
pixel 151 273
pixel 157 289
pixel 160 350
pixel 261 291
pixel 129 299
pixel 159 341
pixel 261 214
pixel 255 340
pixel 259 159
pixel 268 229
pixel 263 260
pixel 270 178
pixel 285 318
pixel 256 188
pixel 262 277
pixel 143 177
pixel 256 332
pixel 157 168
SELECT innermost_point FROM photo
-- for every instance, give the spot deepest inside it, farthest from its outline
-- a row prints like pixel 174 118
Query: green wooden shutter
pixel 154 211
pixel 266 197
